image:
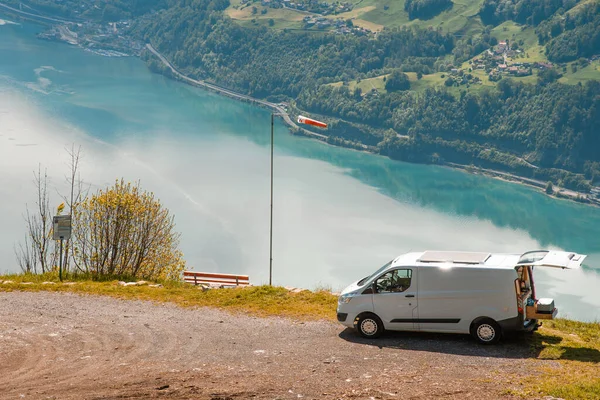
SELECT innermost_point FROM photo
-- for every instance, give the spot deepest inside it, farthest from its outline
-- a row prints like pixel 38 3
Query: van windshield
pixel 374 274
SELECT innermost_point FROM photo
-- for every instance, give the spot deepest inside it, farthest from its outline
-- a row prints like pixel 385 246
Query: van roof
pixel 458 258
pixel 558 259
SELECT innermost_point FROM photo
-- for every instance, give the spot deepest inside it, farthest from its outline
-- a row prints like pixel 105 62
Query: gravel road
pixel 65 346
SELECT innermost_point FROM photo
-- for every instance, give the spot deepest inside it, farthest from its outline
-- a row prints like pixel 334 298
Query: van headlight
pixel 345 298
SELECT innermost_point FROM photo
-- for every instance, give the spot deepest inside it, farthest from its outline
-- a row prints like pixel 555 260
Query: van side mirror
pixel 372 288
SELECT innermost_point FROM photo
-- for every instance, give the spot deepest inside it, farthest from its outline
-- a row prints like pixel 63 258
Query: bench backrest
pixel 221 279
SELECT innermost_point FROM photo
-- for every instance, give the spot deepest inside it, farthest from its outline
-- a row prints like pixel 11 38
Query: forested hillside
pixel 425 9
pixel 539 129
pixel 513 87
pixel 531 12
pixel 264 62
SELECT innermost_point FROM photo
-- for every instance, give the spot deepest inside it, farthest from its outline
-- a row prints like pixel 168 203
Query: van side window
pixel 397 280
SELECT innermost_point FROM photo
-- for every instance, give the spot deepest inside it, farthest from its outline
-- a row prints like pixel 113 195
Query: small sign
pixel 62 227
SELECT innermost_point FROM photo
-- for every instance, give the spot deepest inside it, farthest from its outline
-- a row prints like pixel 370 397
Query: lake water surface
pixel 339 214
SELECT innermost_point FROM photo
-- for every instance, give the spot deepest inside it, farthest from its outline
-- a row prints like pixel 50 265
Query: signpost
pixel 61 231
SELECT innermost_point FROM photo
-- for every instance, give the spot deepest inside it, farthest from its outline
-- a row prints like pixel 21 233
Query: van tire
pixel 369 326
pixel 486 331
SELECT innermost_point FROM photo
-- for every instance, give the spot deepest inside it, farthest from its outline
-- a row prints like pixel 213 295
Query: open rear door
pixel 554 259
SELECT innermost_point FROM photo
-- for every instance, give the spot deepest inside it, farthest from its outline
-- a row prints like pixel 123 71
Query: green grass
pixel 378 83
pixel 374 12
pixel 576 348
pixel 420 85
pixel 591 72
pixel 514 32
pixel 427 81
pixel 370 83
pixel 282 18
pixel 435 80
pixel 461 18
pixel 255 300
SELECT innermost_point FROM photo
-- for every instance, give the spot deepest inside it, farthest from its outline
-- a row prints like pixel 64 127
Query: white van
pixel 482 294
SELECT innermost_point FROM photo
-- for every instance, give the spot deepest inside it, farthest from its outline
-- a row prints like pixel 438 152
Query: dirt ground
pixel 63 346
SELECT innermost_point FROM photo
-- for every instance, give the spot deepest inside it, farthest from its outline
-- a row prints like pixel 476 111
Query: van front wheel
pixel 486 331
pixel 369 326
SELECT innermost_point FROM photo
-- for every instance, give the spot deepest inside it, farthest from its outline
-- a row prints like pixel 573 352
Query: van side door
pixel 395 299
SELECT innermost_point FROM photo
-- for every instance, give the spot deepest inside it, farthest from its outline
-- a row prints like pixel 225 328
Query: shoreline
pixel 558 192
pixel 279 108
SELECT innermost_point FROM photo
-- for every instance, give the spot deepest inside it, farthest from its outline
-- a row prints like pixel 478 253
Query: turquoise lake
pixel 339 214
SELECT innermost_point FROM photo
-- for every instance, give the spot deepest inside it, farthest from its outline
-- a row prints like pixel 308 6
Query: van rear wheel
pixel 369 326
pixel 486 331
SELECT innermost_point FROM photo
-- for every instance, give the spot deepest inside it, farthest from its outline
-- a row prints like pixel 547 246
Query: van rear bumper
pixel 516 324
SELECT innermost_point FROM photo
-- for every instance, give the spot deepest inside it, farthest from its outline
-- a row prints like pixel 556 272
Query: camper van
pixel 482 294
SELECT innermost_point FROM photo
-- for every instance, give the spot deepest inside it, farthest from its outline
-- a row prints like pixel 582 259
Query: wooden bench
pixel 212 278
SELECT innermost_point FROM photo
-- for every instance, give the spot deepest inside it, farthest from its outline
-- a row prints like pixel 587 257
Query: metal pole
pixel 60 261
pixel 271 228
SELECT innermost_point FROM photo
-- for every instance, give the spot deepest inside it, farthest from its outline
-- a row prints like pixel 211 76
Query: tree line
pixel 551 124
pixel 530 12
pixel 426 9
pixel 572 36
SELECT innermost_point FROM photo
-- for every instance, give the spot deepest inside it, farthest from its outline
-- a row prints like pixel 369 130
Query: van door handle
pixel 410 295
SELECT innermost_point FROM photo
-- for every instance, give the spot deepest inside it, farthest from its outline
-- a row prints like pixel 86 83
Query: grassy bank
pixel 573 346
pixel 256 300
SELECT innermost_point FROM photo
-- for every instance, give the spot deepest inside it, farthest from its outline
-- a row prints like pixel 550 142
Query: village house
pixel 543 65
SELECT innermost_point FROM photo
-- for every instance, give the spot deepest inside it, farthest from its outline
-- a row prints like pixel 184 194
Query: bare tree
pixel 37 254
pixel 26 258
